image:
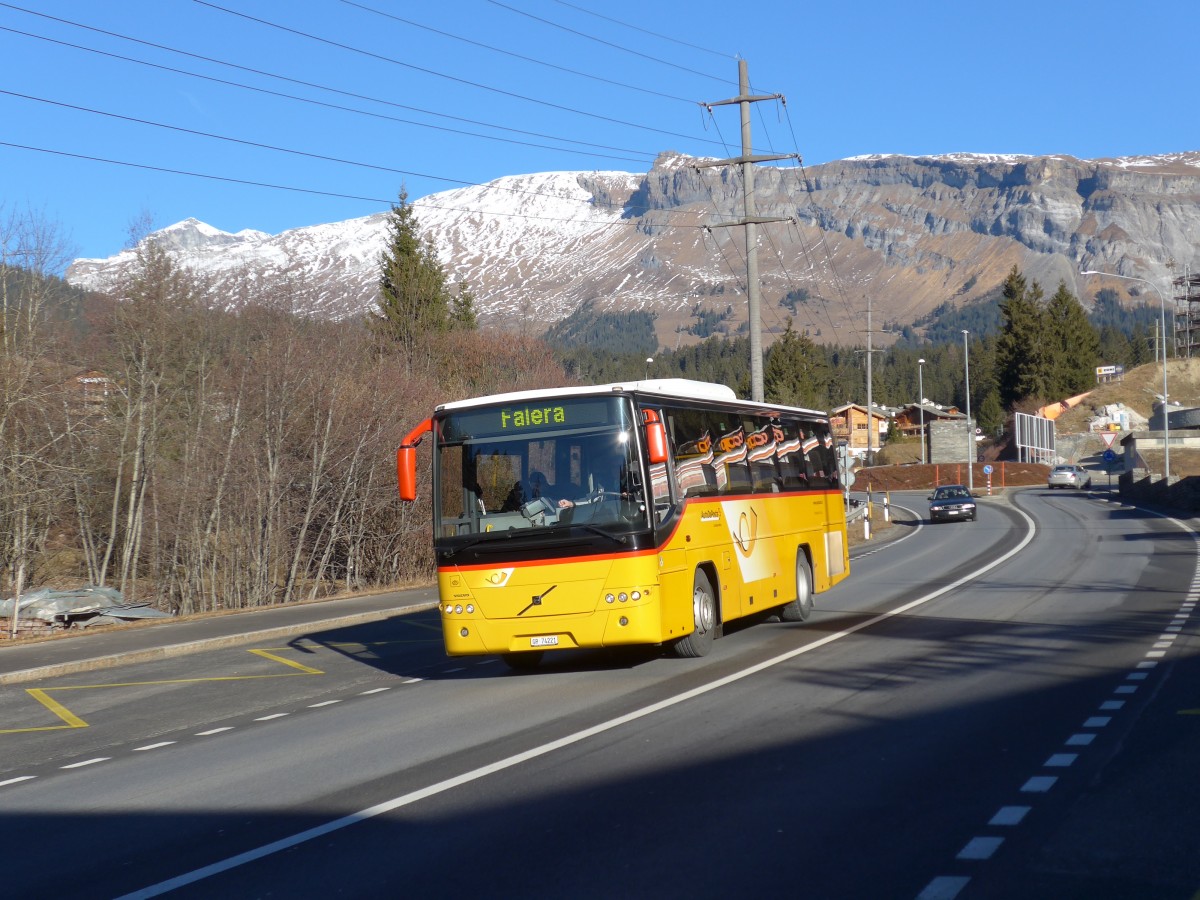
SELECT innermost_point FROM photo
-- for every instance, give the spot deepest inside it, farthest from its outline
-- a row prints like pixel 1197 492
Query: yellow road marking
pixel 307 670
pixel 70 720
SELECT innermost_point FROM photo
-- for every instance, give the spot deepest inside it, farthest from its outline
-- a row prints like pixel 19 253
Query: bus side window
pixel 789 456
pixel 695 475
pixel 760 446
pixel 733 471
pixel 822 459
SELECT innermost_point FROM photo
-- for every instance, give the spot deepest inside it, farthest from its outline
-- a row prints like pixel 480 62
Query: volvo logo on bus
pixel 536 599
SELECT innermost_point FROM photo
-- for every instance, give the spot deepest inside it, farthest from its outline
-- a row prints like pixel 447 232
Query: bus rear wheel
pixel 704 616
pixel 801 608
pixel 523 662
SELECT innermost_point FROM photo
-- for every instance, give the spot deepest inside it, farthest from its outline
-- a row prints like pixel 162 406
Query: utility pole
pixel 871 433
pixel 970 431
pixel 750 219
pixel 870 383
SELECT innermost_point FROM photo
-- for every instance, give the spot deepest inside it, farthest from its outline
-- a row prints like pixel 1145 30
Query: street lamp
pixel 921 403
pixel 649 363
pixel 970 432
pixel 1162 305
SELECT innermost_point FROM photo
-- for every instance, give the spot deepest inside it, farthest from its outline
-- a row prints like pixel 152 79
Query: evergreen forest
pixel 1025 350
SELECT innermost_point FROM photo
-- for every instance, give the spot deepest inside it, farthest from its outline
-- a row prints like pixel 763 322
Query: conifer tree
pixel 1074 345
pixel 1140 343
pixel 796 372
pixel 1022 360
pixel 991 413
pixel 415 300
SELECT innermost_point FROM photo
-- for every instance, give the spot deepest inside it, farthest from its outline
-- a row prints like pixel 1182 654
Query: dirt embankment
pixel 919 477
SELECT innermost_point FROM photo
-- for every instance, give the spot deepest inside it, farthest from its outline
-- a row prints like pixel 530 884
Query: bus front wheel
pixel 704 615
pixel 800 608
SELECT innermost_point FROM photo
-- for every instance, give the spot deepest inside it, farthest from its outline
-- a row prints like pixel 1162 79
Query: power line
pixel 665 37
pixel 150 168
pixel 523 58
pixel 297 81
pixel 288 150
pixel 340 108
pixel 592 37
pixel 301 190
pixel 464 81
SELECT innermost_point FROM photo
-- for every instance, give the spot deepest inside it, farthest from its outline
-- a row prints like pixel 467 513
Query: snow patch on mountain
pixel 534 248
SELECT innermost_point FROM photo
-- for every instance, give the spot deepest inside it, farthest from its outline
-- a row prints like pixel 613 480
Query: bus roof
pixel 678 388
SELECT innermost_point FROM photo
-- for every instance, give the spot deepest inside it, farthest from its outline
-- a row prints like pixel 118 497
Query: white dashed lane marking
pixel 1039 784
pixel 86 762
pixel 947 887
pixel 980 848
pixel 208 733
pixel 1061 760
pixel 1010 815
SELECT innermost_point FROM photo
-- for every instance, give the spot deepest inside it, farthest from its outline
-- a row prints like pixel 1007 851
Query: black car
pixel 951 501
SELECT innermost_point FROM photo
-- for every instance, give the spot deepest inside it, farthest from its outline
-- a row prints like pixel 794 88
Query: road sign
pixel 1109 437
pixel 987 470
pixel 1109 456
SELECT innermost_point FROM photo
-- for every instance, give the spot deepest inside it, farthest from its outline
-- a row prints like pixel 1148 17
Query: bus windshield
pixel 538 464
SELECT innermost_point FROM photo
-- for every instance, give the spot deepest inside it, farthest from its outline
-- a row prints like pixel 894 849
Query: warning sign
pixel 1109 437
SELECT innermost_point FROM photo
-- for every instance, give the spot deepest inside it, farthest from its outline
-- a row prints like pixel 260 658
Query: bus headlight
pixel 609 598
pixel 622 596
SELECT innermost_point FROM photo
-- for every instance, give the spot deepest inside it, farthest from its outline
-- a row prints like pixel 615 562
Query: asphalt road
pixel 991 709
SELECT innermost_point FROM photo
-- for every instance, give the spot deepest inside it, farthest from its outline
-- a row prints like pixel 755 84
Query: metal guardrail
pixel 858 509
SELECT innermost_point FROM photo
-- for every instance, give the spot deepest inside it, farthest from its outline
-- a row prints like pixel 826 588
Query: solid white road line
pixel 395 803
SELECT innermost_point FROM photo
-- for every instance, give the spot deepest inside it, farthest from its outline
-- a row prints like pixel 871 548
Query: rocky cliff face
pixel 909 233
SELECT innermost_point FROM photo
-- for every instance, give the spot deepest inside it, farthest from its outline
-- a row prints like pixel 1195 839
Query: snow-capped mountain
pixel 912 232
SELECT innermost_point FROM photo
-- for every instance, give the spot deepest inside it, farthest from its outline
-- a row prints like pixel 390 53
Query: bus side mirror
pixel 406 461
pixel 406 473
pixel 656 437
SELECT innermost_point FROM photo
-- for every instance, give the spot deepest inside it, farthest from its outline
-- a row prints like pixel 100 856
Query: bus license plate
pixel 549 640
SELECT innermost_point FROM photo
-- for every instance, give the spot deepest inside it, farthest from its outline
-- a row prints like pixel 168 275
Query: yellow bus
pixel 647 512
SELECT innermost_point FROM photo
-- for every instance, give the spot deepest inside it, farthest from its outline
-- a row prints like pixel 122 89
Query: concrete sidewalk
pixel 84 651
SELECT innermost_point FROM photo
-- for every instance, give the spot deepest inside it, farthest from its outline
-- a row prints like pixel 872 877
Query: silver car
pixel 1069 477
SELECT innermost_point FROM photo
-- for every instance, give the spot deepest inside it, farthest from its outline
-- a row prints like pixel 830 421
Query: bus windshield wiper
pixel 496 537
pixel 595 529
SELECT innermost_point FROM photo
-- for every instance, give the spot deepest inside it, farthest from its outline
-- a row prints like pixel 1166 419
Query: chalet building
pixel 850 423
pixel 909 418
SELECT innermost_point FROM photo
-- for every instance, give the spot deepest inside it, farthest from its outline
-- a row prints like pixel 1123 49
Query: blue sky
pixel 433 96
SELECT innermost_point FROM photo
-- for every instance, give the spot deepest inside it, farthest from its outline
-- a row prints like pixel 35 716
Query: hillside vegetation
pixel 1137 391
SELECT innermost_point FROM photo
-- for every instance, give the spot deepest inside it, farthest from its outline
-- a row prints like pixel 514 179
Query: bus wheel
pixel 523 662
pixel 704 615
pixel 800 608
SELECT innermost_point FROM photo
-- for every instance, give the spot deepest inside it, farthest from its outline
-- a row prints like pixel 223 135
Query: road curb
pixel 229 640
